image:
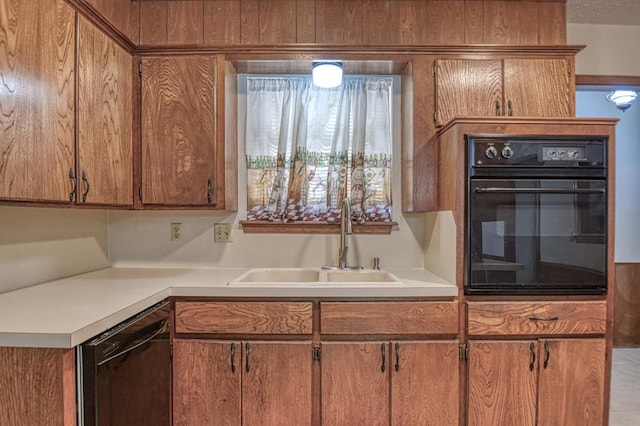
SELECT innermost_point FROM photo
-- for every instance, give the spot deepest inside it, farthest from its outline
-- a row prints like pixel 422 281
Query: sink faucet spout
pixel 345 229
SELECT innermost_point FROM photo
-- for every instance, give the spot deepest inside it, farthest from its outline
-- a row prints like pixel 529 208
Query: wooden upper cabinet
pixel 179 138
pixel 508 87
pixel 37 124
pixel 105 123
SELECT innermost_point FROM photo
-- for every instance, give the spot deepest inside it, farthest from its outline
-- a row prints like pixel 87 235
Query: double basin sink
pixel 280 277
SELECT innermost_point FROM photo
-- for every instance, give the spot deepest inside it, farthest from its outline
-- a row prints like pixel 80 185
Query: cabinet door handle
pixel 209 194
pixel 532 349
pixel 397 366
pixel 383 349
pixel 510 108
pixel 535 318
pixel 247 349
pixel 74 185
pixel 86 183
pixel 498 112
pixel 140 193
pixel 233 357
pixel 547 354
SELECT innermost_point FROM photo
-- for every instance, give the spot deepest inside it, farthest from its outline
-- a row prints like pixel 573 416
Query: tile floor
pixel 625 388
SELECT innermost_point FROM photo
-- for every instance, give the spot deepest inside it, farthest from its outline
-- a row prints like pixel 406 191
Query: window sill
pixel 265 227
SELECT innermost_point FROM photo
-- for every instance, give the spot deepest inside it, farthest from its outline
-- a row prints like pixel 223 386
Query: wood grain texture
pixel 425 387
pixel 205 389
pixel 221 22
pixel 501 386
pixel 249 21
pixel 105 125
pixel 355 390
pixel 277 388
pixel 626 322
pixel 153 23
pixel 571 386
pixel 278 22
pixel 124 15
pixel 389 318
pixel 185 22
pixel 467 87
pixel 513 318
pixel 552 23
pixel 179 147
pixel 244 317
pixel 445 21
pixel 339 21
pixel 37 128
pixel 509 22
pixel 305 21
pixel 38 387
pixel 539 87
pixel 473 21
pixel 380 25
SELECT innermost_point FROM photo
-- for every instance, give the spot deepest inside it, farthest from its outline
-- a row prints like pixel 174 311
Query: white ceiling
pixel 613 12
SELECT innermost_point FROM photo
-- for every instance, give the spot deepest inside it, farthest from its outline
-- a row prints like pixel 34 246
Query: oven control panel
pixel 566 153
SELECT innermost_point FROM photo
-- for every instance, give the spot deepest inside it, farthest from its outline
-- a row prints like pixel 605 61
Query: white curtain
pixel 308 147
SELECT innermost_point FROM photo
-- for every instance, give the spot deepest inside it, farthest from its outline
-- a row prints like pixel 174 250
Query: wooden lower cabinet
pixel 536 382
pixel 241 383
pixel 397 383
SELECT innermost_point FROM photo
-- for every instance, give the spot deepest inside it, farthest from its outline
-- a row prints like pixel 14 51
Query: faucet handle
pixel 375 263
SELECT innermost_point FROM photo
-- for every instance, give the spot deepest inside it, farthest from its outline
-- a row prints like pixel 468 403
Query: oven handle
pixel 134 343
pixel 486 190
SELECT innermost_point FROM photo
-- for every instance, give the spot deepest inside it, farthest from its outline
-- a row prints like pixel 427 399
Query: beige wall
pixel 611 49
pixel 42 244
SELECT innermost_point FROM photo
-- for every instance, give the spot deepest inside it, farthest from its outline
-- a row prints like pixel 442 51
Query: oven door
pixel 536 236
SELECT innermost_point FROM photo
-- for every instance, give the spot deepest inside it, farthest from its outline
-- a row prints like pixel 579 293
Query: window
pixel 307 148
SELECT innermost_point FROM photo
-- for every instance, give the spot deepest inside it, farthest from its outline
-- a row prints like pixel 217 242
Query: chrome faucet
pixel 345 229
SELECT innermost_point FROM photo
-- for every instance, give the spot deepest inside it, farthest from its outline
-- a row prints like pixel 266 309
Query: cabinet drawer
pixel 389 318
pixel 244 317
pixel 533 318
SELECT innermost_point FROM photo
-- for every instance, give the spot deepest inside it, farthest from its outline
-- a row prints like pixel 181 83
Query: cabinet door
pixel 206 382
pixel 37 123
pixel 355 383
pixel 467 88
pixel 572 382
pixel 105 126
pixel 276 383
pixel 538 88
pixel 502 380
pixel 425 383
pixel 178 131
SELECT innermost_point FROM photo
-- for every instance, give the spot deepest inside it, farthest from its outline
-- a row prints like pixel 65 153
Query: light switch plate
pixel 222 232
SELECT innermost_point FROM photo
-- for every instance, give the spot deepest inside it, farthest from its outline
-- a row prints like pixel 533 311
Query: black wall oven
pixel 536 215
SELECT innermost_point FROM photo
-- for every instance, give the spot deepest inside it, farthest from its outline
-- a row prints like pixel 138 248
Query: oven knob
pixel 507 152
pixel 491 152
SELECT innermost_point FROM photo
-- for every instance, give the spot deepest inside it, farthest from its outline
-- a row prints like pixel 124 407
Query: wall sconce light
pixel 327 74
pixel 622 98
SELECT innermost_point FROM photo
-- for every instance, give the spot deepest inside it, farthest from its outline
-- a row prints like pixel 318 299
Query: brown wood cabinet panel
pixel 538 87
pixel 467 87
pixel 221 22
pixel 122 14
pixel 339 21
pixel 355 386
pixel 38 387
pixel 205 387
pixel 473 21
pixel 381 22
pixel 571 382
pixel 514 318
pixel 37 126
pixel 179 153
pixel 276 383
pixel 389 318
pixel 305 21
pixel 105 96
pixel 425 383
pixel 501 383
pixel 626 321
pixel 509 22
pixel 185 22
pixel 153 22
pixel 445 22
pixel 278 22
pixel 250 21
pixel 552 26
pixel 244 317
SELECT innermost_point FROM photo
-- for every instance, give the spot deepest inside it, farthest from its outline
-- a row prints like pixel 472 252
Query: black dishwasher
pixel 124 374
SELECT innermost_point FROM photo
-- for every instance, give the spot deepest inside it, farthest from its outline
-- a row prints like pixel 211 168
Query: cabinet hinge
pixel 463 351
pixel 435 117
pixel 435 69
pixel 140 68
pixel 171 351
pixel 316 353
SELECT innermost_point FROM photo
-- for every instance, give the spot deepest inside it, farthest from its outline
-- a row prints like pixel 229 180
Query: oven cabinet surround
pixel 544 365
pixel 182 151
pixel 315 362
pixel 541 87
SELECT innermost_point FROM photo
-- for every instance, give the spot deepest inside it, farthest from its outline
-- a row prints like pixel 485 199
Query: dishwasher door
pixel 124 374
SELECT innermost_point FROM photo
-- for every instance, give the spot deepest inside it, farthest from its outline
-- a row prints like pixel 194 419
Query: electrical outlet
pixel 176 231
pixel 222 232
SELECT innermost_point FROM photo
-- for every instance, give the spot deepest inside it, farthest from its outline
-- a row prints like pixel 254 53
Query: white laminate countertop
pixel 67 312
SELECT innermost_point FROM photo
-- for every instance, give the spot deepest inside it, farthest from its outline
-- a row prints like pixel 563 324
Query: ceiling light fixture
pixel 327 74
pixel 622 98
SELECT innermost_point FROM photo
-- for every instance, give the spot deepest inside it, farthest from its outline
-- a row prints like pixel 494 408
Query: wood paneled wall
pixel 626 321
pixel 347 22
pixel 122 14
